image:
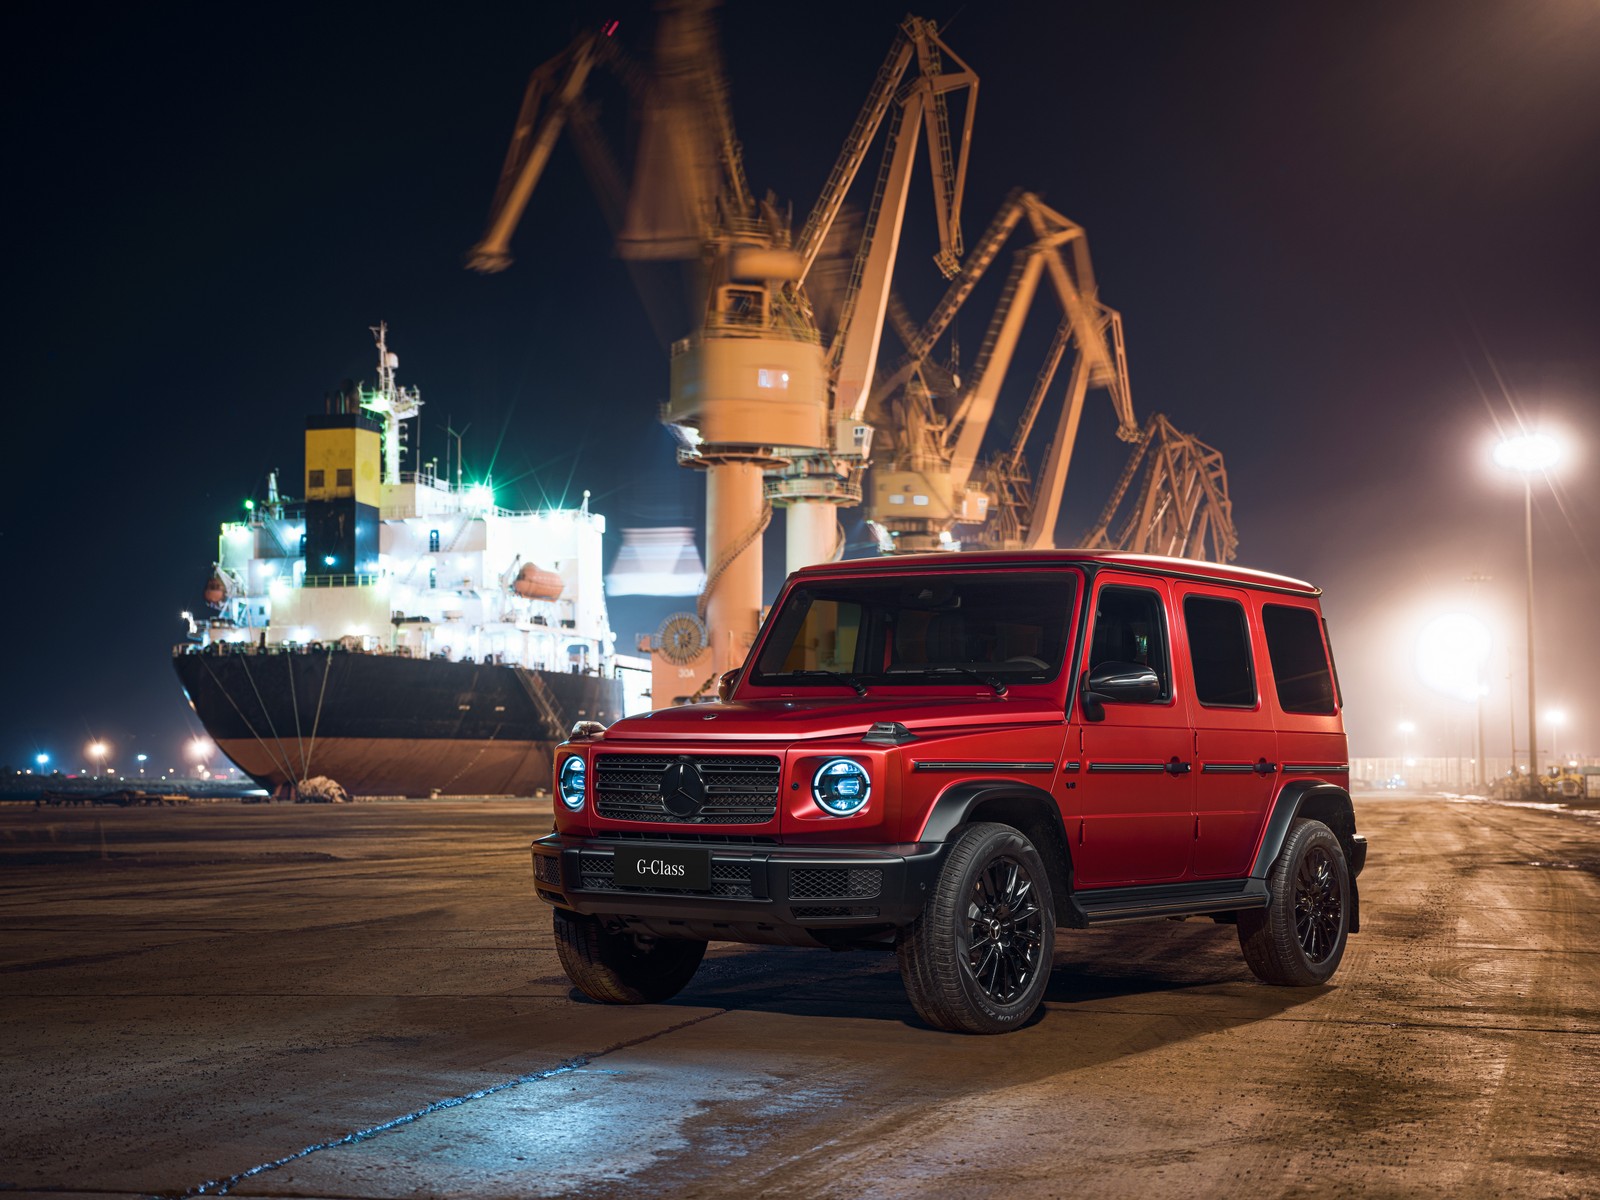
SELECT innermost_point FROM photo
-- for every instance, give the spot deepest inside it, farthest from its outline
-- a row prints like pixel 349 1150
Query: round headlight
pixel 574 782
pixel 841 787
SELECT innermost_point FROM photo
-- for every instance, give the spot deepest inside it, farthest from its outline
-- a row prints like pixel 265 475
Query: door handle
pixel 1178 767
pixel 1265 768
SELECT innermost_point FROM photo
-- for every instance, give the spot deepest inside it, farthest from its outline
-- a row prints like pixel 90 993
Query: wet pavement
pixel 364 1001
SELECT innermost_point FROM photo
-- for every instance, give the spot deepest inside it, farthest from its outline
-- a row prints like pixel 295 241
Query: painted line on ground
pixel 221 1187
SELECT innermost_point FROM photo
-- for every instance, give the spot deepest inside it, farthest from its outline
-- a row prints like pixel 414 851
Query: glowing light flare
pixel 1556 717
pixel 1451 652
pixel 41 759
pixel 201 749
pixel 1528 452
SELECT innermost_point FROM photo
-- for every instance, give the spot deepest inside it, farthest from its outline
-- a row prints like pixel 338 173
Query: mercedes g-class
pixel 953 756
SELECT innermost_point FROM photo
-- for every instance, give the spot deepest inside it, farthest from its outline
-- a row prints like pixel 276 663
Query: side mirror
pixel 726 682
pixel 1118 683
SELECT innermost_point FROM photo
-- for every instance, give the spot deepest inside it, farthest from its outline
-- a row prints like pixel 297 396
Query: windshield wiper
pixel 999 688
pixel 861 688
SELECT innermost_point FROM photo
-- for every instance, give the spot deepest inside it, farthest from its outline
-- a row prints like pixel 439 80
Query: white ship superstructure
pixel 445 583
pixel 455 576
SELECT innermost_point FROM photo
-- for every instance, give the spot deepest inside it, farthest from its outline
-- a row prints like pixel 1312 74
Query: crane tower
pixel 761 399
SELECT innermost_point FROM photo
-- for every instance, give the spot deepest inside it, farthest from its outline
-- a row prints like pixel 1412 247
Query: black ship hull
pixel 383 725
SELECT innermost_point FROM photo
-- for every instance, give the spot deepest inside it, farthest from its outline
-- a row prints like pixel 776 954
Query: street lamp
pixel 97 752
pixel 1407 728
pixel 1452 650
pixel 1526 454
pixel 200 750
pixel 1556 718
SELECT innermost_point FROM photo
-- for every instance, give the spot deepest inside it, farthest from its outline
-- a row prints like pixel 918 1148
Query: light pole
pixel 200 750
pixel 1451 652
pixel 1556 718
pixel 1525 454
pixel 97 752
pixel 1407 728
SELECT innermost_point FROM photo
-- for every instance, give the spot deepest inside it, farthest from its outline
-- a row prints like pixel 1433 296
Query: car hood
pixel 798 720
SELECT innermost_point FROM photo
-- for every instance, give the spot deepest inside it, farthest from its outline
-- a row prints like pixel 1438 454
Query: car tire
pixel 1299 938
pixel 623 968
pixel 977 960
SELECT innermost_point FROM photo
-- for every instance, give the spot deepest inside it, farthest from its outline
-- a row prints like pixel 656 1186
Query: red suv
pixel 950 756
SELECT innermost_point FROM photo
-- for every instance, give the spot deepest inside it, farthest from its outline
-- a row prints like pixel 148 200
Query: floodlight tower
pixel 1527 454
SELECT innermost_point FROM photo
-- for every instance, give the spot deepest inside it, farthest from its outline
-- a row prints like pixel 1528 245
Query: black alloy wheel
pixel 978 958
pixel 1318 905
pixel 1005 930
pixel 1299 938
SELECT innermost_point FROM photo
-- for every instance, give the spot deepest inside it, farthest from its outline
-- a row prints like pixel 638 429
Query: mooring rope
pixel 287 769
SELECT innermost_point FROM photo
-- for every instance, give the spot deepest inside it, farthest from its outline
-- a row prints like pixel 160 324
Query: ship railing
pixel 254 648
pixel 426 479
pixel 360 579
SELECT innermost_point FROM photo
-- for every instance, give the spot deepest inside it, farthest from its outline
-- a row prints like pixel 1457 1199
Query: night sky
pixel 1348 242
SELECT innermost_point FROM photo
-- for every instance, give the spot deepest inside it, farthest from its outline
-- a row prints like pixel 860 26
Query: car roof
pixel 1155 564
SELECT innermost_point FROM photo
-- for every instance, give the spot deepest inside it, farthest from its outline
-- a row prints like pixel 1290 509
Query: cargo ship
pixel 395 633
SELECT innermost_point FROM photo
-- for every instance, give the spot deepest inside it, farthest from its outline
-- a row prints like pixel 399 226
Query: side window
pixel 1299 662
pixel 1219 652
pixel 1129 628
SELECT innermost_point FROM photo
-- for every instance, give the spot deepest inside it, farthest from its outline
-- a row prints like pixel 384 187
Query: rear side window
pixel 1219 652
pixel 1129 628
pixel 1299 661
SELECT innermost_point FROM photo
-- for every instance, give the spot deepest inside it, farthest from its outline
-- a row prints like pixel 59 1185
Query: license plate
pixel 677 868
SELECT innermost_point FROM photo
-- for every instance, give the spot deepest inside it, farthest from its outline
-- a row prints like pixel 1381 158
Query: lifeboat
pixel 216 591
pixel 535 583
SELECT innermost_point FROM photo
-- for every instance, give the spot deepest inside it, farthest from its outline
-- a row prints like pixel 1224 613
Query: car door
pixel 1235 740
pixel 1133 801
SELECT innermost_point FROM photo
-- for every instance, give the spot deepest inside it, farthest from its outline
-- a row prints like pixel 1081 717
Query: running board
pixel 1103 906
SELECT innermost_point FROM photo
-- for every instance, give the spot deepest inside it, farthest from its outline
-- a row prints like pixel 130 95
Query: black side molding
pixel 1104 906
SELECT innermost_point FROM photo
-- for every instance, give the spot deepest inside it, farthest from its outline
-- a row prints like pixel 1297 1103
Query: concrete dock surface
pixel 364 1001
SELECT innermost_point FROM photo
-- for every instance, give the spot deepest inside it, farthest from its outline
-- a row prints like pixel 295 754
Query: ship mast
pixel 392 403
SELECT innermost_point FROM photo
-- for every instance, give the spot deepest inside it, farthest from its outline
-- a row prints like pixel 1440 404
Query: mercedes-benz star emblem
pixel 683 790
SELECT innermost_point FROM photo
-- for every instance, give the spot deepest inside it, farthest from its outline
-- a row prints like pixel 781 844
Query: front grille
pixel 729 880
pixel 741 789
pixel 547 869
pixel 835 883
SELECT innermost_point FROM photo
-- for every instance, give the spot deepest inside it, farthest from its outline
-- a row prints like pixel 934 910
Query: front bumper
pixel 760 892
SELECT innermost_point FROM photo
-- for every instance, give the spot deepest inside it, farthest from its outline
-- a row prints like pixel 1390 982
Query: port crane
pixel 1181 506
pixel 935 494
pixel 766 403
pixel 934 484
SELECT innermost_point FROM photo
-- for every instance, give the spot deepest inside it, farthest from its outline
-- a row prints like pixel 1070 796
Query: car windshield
pixel 998 628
